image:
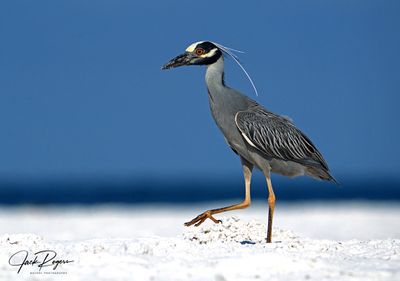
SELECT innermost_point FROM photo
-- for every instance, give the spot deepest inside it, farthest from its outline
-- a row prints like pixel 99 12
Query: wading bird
pixel 261 138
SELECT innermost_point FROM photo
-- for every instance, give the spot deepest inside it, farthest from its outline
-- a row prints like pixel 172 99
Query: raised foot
pixel 201 218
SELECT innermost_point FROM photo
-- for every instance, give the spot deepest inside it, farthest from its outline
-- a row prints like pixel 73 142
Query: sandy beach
pixel 313 241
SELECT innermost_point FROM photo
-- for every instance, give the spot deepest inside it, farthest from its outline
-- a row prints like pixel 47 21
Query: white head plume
pixel 230 51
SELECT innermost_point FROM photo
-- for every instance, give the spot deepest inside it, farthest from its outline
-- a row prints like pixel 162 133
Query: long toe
pixel 193 221
pixel 214 219
pixel 200 221
pixel 201 218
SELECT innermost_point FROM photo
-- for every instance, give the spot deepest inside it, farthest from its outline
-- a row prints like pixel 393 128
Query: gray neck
pixel 215 77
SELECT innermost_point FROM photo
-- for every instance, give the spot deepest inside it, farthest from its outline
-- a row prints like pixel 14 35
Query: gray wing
pixel 277 137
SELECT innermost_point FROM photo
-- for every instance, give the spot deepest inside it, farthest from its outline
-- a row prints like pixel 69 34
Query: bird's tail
pixel 321 173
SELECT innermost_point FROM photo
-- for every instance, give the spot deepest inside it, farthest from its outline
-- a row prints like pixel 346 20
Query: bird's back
pixel 265 139
pixel 291 152
pixel 253 132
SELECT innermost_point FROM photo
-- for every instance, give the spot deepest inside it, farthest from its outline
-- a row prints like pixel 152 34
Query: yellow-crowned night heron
pixel 261 138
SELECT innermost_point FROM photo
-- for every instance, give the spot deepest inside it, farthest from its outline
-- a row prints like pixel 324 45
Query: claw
pixel 201 218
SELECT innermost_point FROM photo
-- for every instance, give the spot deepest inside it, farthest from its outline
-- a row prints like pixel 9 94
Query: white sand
pixel 335 241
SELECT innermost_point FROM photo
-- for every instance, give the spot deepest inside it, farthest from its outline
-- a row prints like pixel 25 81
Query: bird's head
pixel 199 53
pixel 206 53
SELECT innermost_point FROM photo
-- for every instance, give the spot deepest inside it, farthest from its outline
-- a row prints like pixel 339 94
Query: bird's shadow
pixel 247 242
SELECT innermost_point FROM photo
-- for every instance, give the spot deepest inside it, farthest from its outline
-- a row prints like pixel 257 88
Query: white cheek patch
pixel 210 53
pixel 191 48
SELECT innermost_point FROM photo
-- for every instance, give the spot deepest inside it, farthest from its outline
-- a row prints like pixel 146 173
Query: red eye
pixel 200 51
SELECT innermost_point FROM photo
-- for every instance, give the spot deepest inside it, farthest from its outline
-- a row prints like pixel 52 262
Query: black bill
pixel 180 60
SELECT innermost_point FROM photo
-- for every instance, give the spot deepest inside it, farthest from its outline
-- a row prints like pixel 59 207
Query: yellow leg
pixel 271 205
pixel 247 168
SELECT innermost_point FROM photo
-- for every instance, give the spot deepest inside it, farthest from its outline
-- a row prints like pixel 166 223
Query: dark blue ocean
pixel 127 190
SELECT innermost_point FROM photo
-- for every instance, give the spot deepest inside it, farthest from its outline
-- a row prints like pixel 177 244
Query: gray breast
pixel 224 109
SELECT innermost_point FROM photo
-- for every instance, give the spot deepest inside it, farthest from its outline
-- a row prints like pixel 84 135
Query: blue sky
pixel 82 93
